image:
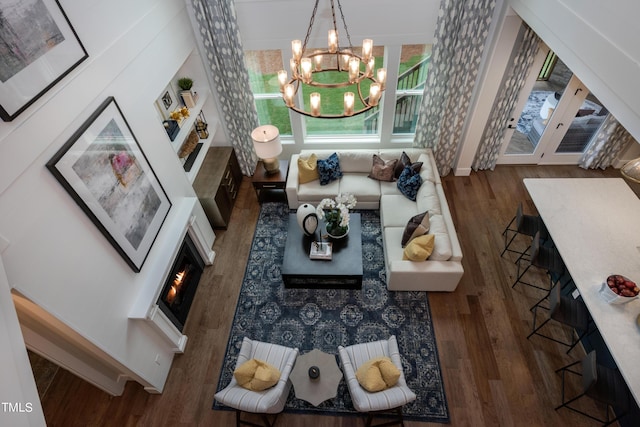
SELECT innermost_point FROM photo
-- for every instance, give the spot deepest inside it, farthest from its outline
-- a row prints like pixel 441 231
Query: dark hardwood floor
pixel 493 375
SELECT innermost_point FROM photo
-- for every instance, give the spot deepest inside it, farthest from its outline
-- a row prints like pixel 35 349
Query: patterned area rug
pixel 327 318
pixel 531 110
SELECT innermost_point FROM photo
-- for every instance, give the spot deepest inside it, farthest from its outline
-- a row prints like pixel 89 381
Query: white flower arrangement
pixel 336 213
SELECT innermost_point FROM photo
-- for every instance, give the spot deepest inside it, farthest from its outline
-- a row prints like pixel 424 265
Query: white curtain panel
pixel 605 145
pixel 461 35
pixel 217 28
pixel 489 149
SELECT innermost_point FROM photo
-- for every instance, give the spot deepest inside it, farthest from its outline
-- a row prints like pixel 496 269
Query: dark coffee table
pixel 343 271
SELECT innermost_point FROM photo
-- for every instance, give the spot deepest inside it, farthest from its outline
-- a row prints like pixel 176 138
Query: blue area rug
pixel 327 318
pixel 531 110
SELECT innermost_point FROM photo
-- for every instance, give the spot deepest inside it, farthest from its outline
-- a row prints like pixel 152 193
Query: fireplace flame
pixel 175 288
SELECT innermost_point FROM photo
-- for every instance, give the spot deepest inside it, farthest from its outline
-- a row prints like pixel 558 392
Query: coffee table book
pixel 320 250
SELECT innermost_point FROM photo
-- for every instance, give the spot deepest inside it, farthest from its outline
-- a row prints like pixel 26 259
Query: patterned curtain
pixel 461 34
pixel 605 145
pixel 489 148
pixel 218 30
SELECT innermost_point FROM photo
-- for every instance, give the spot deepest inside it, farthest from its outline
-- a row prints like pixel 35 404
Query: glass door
pixel 522 143
pixel 575 128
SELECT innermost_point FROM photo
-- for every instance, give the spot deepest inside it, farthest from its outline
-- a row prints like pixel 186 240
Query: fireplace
pixel 181 284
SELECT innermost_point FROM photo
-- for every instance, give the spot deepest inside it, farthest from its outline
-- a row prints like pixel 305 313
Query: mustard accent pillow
pixel 420 248
pixel 256 375
pixel 377 374
pixel 308 169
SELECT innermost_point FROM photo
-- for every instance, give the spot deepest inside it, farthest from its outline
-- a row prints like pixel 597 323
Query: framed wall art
pixel 105 171
pixel 167 102
pixel 38 47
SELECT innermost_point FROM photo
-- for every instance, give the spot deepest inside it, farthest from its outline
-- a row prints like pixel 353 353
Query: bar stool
pixel 565 310
pixel 600 383
pixel 527 225
pixel 543 257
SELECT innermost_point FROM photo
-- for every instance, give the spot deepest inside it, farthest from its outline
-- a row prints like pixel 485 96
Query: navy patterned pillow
pixel 409 183
pixel 329 169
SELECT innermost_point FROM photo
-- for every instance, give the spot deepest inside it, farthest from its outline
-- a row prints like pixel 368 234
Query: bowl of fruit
pixel 619 290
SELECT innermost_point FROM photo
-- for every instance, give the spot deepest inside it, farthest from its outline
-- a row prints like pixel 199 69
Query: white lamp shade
pixel 266 141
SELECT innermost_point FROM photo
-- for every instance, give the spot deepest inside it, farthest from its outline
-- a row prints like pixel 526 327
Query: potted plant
pixel 188 97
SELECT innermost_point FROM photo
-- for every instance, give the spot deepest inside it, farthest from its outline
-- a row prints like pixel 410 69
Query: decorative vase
pixel 307 219
pixel 334 236
pixel 314 372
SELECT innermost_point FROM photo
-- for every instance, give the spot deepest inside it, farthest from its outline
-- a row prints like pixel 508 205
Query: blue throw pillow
pixel 409 183
pixel 329 169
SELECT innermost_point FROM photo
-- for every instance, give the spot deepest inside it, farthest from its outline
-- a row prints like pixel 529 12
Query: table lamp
pixel 266 141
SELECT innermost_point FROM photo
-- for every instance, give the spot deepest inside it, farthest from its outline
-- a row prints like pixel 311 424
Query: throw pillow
pixel 329 169
pixel 308 169
pixel 377 374
pixel 404 162
pixel 420 248
pixel 383 170
pixel 256 375
pixel 409 183
pixel 417 226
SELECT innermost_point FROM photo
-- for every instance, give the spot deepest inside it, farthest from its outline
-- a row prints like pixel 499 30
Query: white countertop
pixel 595 224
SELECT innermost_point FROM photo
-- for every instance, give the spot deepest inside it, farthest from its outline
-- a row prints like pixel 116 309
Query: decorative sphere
pixel 307 219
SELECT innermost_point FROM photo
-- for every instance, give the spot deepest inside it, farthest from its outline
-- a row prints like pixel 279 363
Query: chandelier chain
pixel 346 30
pixel 311 21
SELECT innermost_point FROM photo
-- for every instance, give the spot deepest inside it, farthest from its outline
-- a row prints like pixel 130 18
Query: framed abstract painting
pixel 38 47
pixel 103 168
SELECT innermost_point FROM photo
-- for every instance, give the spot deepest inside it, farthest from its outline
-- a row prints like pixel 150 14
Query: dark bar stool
pixel 600 383
pixel 527 225
pixel 566 310
pixel 546 258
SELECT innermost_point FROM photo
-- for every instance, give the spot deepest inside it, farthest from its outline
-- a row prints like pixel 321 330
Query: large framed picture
pixel 105 171
pixel 38 47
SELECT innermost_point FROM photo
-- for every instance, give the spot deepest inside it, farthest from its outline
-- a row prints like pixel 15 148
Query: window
pixel 412 76
pixel 412 66
pixel 263 69
pixel 332 103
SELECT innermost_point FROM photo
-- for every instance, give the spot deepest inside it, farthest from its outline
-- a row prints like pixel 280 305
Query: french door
pixel 556 121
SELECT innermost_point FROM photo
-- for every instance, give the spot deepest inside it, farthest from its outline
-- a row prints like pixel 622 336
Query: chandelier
pixel 331 69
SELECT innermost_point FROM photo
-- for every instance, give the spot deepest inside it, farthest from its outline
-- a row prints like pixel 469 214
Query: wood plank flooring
pixel 492 374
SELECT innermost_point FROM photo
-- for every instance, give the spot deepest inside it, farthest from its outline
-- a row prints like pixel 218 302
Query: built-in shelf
pixel 185 129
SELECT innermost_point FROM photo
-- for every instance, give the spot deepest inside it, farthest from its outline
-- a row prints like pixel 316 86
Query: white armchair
pixel 389 400
pixel 270 401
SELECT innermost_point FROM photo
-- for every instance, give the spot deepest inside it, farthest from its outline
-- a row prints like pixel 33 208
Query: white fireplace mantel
pixel 159 263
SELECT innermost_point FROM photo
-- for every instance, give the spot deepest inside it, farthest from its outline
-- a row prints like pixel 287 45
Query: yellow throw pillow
pixel 256 375
pixel 308 169
pixel 377 374
pixel 420 248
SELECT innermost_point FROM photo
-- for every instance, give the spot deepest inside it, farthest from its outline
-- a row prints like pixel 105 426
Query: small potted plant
pixel 188 97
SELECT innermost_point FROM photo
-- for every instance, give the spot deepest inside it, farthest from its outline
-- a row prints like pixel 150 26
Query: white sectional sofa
pixel 443 269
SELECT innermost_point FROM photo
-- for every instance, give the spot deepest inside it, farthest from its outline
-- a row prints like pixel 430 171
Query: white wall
pixel 598 41
pixel 54 255
pixel 267 24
